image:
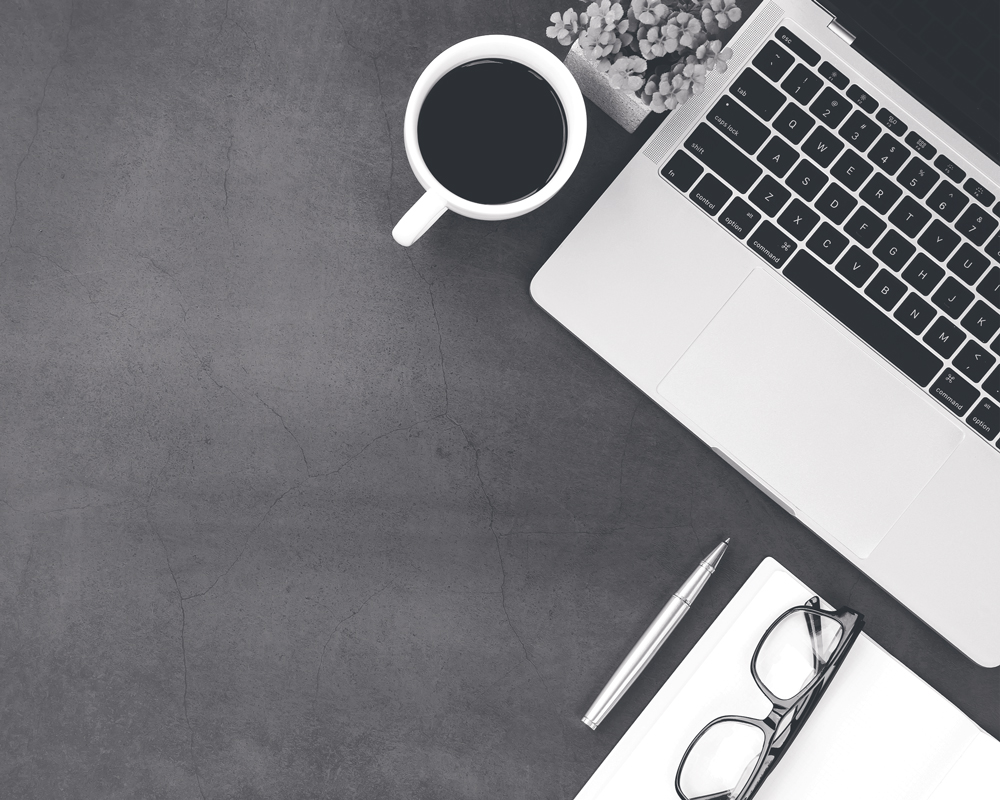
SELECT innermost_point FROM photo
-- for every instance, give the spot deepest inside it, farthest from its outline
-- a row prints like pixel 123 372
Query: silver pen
pixel 635 662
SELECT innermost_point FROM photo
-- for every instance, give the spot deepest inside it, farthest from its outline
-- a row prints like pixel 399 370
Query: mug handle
pixel 415 222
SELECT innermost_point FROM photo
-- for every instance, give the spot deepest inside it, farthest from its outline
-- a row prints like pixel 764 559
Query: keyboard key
pixel 822 147
pixel 834 75
pixel 830 107
pixel 968 263
pixel 982 321
pixel 990 287
pixel 893 250
pixel 952 298
pixel 722 157
pixel 880 193
pixel 918 177
pixel 943 337
pixel 738 124
pixel 938 240
pixel 754 91
pixel 949 168
pixel 798 219
pixel 806 180
pixel 885 289
pixel 802 84
pixel 862 98
pixel 992 248
pixel 793 123
pixel 711 194
pixel 681 170
pixel 920 145
pixel 797 46
pixel 769 196
pixel 773 60
pixel 914 313
pixel 923 274
pixel 856 313
pixel 860 131
pixel 985 418
pixel 948 200
pixel 909 216
pixel 980 192
pixel 857 266
pixel 778 156
pixel 974 362
pixel 888 154
pixel 992 384
pixel 976 224
pixel 771 244
pixel 851 170
pixel 954 392
pixel 835 203
pixel 739 217
pixel 827 242
pixel 891 121
pixel 864 227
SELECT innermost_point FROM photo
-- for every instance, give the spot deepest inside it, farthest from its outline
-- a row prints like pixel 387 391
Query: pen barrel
pixel 673 612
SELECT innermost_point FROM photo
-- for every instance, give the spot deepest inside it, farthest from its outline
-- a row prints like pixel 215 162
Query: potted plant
pixel 646 55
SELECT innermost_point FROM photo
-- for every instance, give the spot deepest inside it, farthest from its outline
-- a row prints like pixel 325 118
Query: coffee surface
pixel 492 131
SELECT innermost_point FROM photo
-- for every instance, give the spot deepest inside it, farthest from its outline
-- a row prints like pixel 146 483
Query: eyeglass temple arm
pixel 813 623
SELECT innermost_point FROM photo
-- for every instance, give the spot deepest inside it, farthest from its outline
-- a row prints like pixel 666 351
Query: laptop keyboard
pixel 863 214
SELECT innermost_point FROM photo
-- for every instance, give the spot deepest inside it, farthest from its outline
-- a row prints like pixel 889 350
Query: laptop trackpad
pixel 815 414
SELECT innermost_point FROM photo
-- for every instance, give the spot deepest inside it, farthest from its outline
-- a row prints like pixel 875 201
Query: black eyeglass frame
pixel 787 716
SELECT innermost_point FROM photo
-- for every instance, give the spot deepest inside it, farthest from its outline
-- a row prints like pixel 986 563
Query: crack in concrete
pixel 246 543
pixel 289 432
pixel 173 282
pixel 225 191
pixel 225 176
pixel 180 598
pixel 34 135
pixel 378 438
pixel 17 172
pixel 496 539
pixel 337 627
pixel 59 266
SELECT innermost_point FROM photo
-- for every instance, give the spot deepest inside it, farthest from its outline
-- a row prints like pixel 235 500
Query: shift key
pixel 722 158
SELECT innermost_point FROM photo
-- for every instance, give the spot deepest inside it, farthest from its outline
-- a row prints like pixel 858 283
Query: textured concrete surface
pixel 287 511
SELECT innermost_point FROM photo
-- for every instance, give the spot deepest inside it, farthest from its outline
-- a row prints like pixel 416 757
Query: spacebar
pixel 852 309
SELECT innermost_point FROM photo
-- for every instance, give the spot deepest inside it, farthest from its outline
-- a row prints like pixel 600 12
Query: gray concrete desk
pixel 288 511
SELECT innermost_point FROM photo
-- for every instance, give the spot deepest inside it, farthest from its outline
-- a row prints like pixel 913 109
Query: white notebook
pixel 879 732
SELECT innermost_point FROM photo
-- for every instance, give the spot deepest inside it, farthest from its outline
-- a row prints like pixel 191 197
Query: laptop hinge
pixel 835 26
pixel 841 31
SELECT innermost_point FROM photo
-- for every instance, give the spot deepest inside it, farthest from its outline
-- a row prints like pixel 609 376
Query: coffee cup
pixel 478 157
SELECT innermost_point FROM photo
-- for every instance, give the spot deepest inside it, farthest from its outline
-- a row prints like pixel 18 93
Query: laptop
pixel 816 293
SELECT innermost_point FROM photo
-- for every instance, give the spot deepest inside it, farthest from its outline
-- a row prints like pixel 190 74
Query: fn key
pixel 681 170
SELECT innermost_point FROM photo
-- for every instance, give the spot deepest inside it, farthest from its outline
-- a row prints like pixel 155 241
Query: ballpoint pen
pixel 635 662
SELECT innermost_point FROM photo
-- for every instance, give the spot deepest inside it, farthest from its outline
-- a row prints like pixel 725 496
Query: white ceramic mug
pixel 436 200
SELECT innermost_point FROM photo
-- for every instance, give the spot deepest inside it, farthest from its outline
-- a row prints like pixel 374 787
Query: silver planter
pixel 623 107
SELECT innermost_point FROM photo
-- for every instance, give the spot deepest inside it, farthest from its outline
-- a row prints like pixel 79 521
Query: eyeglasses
pixel 793 664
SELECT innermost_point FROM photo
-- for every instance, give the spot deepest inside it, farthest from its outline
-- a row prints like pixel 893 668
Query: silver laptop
pixel 817 297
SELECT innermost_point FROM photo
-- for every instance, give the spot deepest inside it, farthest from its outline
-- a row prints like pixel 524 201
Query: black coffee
pixel 492 131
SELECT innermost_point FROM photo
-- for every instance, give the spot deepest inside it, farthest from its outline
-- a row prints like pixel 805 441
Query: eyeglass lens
pixel 722 760
pixel 794 653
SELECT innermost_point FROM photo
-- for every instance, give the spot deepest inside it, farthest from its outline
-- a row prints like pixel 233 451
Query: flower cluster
pixel 660 50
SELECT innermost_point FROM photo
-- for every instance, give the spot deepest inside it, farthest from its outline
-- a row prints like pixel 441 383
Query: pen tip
pixel 727 540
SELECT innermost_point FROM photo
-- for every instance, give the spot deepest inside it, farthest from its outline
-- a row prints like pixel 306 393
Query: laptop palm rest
pixel 811 412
